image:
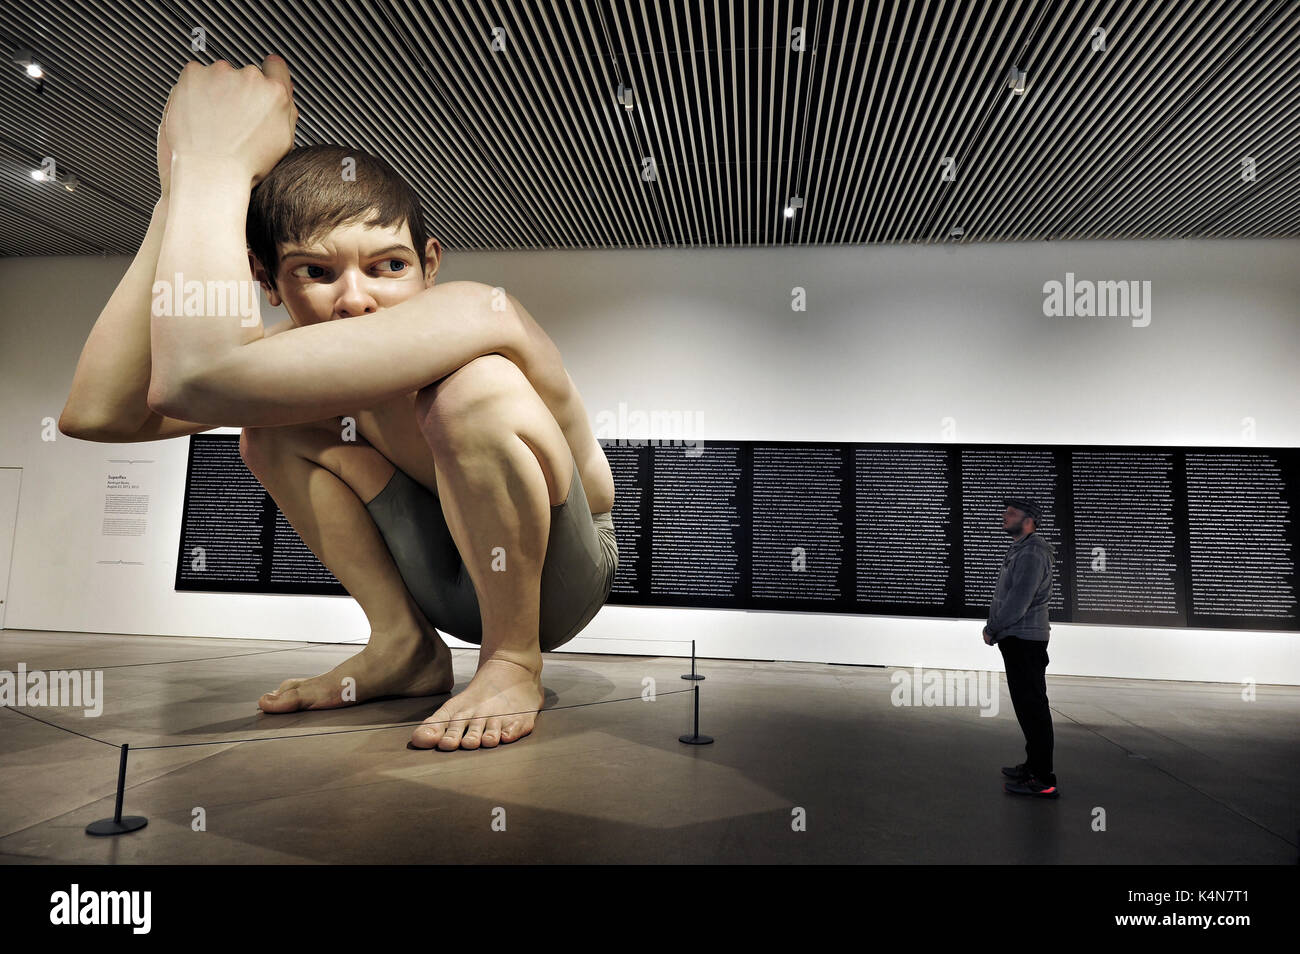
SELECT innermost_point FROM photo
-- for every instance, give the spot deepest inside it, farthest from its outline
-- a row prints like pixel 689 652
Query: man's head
pixel 328 246
pixel 1020 517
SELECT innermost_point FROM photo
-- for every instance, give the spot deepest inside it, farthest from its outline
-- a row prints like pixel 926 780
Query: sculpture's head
pixel 334 231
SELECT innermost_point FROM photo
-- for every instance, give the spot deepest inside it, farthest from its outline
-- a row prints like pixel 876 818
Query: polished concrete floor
pixel 1185 773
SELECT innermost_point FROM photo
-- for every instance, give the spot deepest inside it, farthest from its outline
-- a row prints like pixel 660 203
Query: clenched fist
pixel 245 116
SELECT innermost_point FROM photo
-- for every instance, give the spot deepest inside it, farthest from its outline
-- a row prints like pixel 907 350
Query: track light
pixel 24 58
pixel 1016 81
pixel 70 182
pixel 626 96
pixel 956 232
pixel 795 203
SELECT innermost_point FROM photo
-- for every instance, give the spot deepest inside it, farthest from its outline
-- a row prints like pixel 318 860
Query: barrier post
pixel 117 825
pixel 695 738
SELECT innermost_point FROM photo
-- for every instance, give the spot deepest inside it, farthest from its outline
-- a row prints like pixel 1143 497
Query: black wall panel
pixel 1144 536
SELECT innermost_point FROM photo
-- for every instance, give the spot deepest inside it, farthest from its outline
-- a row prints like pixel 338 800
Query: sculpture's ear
pixel 259 273
pixel 432 259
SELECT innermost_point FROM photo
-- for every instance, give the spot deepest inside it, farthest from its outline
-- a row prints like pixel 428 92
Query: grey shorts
pixel 577 574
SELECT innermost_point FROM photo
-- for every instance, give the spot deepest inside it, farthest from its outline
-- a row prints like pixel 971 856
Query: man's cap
pixel 1025 506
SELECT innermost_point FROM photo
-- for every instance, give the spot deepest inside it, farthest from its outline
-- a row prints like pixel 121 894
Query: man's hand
pixel 988 640
pixel 245 116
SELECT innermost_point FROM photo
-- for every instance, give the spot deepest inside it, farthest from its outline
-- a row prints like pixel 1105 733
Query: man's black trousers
pixel 1026 661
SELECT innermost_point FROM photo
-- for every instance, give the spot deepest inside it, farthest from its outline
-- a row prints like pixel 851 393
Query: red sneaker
pixel 1031 786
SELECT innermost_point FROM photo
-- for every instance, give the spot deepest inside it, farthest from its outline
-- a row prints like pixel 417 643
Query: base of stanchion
pixel 107 826
pixel 695 739
pixel 693 675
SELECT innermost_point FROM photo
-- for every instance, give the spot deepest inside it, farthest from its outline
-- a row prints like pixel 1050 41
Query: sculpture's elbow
pixel 168 400
pixel 69 427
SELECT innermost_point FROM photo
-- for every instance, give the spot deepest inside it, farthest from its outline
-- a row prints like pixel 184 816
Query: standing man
pixel 1018 625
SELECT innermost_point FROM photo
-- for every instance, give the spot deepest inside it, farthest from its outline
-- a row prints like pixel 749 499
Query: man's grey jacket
pixel 1019 606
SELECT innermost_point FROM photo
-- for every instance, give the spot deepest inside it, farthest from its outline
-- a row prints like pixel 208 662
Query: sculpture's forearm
pixel 205 302
pixel 349 364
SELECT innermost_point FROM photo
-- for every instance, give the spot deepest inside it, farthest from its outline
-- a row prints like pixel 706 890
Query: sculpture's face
pixel 353 270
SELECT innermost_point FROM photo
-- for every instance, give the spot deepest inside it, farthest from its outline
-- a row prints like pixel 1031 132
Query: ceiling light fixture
pixel 25 58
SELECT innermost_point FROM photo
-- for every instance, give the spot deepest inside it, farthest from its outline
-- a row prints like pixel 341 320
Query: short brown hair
pixel 305 196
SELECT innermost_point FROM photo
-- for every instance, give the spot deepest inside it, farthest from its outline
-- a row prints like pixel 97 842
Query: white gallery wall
pixel 896 344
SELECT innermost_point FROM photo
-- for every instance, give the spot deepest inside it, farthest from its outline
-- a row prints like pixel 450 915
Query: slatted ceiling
pixel 527 147
pixel 1261 124
pixel 1149 141
pixel 490 169
pixel 17 225
pixel 38 224
pixel 608 70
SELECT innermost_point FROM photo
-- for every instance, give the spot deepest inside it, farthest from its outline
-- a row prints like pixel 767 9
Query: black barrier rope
pixel 695 738
pixel 692 675
pixel 57 726
pixel 119 825
pixel 399 725
pixel 629 638
pixel 309 735
pixel 350 642
pixel 169 662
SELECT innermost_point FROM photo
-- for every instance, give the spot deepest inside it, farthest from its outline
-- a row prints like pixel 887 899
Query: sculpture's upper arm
pixel 542 364
pixel 540 360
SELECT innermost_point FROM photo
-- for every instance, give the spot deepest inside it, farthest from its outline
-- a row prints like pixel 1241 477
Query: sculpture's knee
pixel 259 447
pixel 460 397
